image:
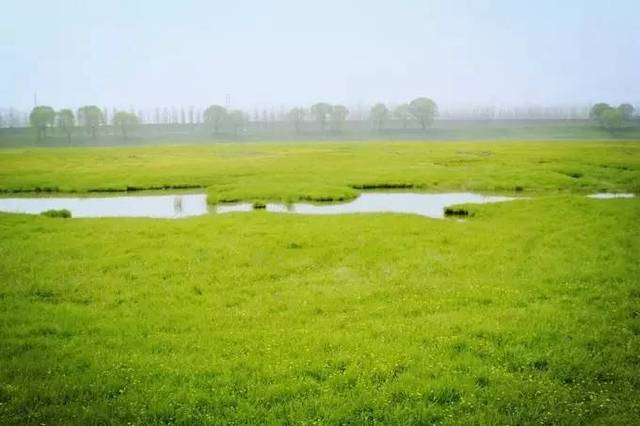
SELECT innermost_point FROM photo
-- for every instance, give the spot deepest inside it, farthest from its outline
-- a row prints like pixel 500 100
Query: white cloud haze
pixel 151 53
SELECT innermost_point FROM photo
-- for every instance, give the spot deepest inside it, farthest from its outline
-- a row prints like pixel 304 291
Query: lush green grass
pixel 527 312
pixel 329 170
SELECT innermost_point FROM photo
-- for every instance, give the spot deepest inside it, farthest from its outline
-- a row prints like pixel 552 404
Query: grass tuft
pixel 456 211
pixel 64 213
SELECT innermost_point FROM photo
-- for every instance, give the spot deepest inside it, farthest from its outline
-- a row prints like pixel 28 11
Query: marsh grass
pixel 328 171
pixel 456 211
pixel 522 314
pixel 526 313
pixel 64 213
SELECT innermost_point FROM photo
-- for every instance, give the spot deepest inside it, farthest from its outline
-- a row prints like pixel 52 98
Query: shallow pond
pixel 185 205
pixel 156 206
pixel 430 205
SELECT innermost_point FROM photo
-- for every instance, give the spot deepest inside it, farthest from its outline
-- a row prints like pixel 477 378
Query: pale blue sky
pixel 153 53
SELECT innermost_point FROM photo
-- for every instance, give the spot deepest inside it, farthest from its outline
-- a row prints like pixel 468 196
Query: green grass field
pixel 328 170
pixel 526 313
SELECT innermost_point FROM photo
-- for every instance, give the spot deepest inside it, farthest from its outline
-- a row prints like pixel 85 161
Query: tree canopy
pixel 238 120
pixel 424 110
pixel 66 121
pixel 609 117
pixel 338 114
pixel 40 118
pixel 598 110
pixel 296 116
pixel 90 116
pixel 320 112
pixel 402 113
pixel 612 119
pixel 379 114
pixel 627 111
pixel 214 116
pixel 125 121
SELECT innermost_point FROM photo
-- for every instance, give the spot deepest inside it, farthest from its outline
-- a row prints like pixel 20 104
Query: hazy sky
pixel 154 53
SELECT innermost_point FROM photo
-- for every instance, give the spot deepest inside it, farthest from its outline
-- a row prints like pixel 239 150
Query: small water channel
pixel 611 195
pixel 156 206
pixel 430 205
pixel 186 205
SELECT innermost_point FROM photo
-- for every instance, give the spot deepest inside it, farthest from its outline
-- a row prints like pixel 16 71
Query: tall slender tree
pixel 296 116
pixel 105 115
pixel 66 121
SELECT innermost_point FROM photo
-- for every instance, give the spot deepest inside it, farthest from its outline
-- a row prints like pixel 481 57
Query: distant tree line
pixel 12 118
pixel 217 119
pixel 423 110
pixel 90 117
pixel 611 118
pixel 266 117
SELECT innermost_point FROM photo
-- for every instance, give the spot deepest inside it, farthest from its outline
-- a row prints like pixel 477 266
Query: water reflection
pixel 156 206
pixel 178 206
pixel 430 205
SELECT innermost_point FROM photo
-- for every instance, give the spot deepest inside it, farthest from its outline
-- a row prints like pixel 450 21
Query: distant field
pixel 525 313
pixel 459 130
pixel 327 170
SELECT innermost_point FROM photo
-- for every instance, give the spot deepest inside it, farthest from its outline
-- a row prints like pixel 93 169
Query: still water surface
pixel 610 195
pixel 186 205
